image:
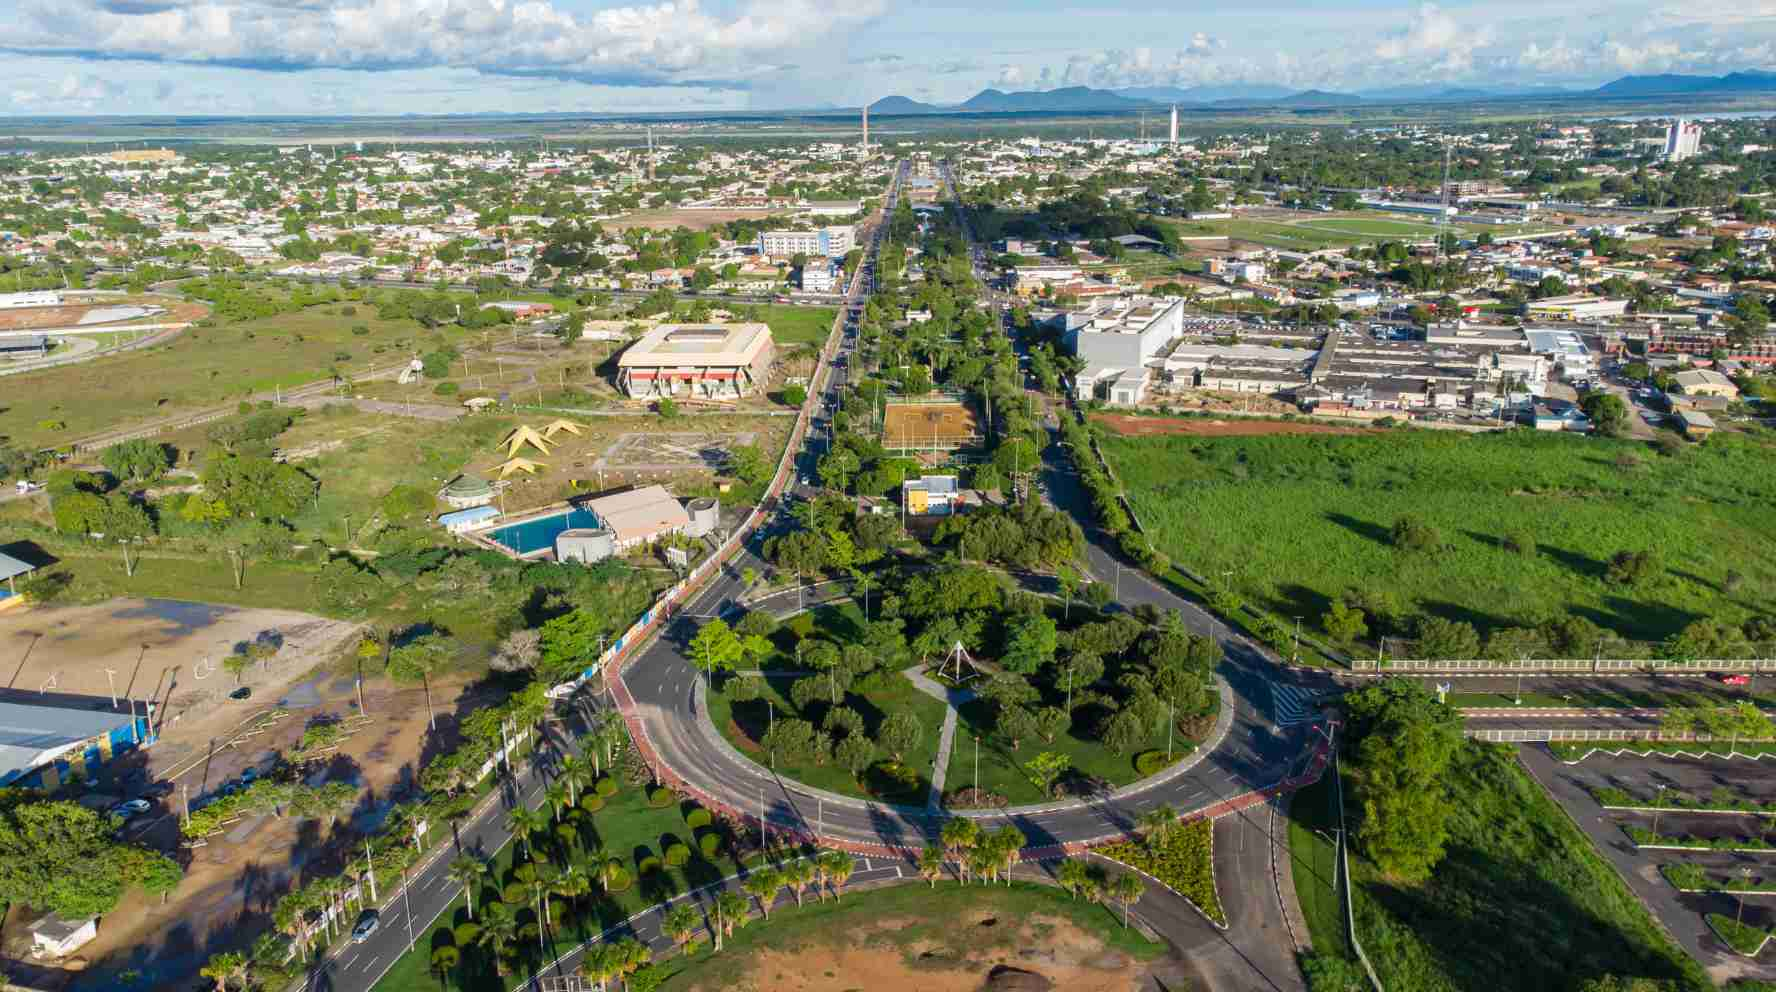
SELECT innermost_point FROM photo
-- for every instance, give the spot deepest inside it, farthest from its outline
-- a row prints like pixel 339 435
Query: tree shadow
pixel 1579 563
pixel 1363 528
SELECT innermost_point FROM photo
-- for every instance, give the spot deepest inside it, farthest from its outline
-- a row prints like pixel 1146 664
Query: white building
pixel 1117 342
pixel 1683 139
pixel 825 242
pixel 41 298
pixel 820 276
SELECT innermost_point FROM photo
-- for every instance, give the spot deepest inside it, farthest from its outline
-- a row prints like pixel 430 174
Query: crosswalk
pixel 1292 704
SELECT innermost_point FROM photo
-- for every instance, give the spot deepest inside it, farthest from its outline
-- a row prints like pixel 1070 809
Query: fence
pixel 1592 666
pixel 1540 735
pixel 1344 871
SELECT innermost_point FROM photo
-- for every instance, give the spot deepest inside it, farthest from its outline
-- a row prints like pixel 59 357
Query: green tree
pixel 1412 533
pixel 468 871
pixel 1632 568
pixel 1442 639
pixel 1344 624
pixel 716 648
pixel 570 643
pixel 900 733
pixel 137 460
pixel 1030 643
pixel 1046 769
pixel 62 857
pixel 1128 889
pixel 1404 741
pixel 1606 411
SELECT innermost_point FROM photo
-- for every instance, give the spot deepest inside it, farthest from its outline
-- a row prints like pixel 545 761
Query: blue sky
pixel 433 56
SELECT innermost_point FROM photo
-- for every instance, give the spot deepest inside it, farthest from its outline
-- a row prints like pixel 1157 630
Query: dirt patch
pixel 696 220
pixel 981 950
pixel 936 425
pixel 1205 427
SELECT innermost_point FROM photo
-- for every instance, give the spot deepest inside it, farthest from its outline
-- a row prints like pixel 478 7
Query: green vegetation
pixel 1686 877
pixel 1182 856
pixel 605 849
pixel 925 923
pixel 57 855
pixel 1722 798
pixel 1313 819
pixel 1643 837
pixel 797 325
pixel 1519 901
pixel 1218 504
pixel 1745 939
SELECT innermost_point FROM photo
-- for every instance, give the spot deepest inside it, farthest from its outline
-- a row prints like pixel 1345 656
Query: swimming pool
pixel 539 534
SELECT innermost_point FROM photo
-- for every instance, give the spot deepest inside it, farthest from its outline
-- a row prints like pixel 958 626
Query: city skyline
pixel 478 56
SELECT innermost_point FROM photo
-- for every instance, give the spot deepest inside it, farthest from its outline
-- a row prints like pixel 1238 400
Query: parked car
pixel 241 693
pixel 1733 679
pixel 367 923
pixel 132 807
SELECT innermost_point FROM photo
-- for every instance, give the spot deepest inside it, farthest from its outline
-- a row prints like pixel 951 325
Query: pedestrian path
pixel 1292 705
pixel 951 698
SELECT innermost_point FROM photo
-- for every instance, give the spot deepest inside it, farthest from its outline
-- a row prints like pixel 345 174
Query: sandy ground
pixel 1216 428
pixel 234 879
pixel 1054 948
pixel 696 220
pixel 26 318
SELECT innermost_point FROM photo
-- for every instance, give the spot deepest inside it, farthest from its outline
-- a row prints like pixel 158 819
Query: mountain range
pixel 1080 98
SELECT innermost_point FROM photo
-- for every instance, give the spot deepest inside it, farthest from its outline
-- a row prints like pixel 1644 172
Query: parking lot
pixel 1665 780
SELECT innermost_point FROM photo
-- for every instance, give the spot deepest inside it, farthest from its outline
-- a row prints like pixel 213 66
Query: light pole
pixel 1297 657
pixel 1657 803
pixel 1744 873
pixel 976 767
pixel 111 679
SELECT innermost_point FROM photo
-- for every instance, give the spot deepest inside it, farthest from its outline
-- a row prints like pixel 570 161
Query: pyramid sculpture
pixel 957 658
pixel 522 436
pixel 558 426
pixel 514 465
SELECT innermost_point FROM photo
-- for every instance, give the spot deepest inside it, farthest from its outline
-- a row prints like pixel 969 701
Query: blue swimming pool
pixel 540 533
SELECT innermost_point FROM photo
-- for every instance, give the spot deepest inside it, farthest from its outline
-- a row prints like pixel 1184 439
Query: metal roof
pixel 10 566
pixel 31 734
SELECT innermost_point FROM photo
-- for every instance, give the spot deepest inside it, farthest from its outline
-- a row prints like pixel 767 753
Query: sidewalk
pixel 951 698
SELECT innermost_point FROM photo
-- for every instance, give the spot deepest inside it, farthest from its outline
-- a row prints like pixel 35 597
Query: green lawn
pixel 1293 521
pixel 1001 768
pixel 1328 231
pixel 1313 819
pixel 798 325
pixel 629 829
pixel 926 930
pixel 1520 901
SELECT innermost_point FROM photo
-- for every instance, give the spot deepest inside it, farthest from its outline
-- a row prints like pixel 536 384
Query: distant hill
pixel 1064 99
pixel 1317 98
pixel 1203 94
pixel 902 105
pixel 1749 81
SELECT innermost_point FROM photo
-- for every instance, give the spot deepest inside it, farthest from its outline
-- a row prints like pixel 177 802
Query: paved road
pixel 1680 913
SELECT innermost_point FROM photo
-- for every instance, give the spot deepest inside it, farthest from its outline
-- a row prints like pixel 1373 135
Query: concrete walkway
pixel 951 698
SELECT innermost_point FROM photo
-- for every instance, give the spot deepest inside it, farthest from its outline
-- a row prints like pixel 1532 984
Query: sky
pixel 229 57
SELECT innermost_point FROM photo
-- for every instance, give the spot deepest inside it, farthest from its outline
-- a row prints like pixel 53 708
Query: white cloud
pixel 1010 75
pixel 670 42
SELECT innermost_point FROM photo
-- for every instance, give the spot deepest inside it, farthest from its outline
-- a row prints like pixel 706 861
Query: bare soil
pixel 913 425
pixel 696 220
pixel 1053 948
pixel 1204 427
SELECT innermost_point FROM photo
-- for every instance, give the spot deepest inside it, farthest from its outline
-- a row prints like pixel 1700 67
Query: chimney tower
pixel 650 153
pixel 866 132
pixel 1174 123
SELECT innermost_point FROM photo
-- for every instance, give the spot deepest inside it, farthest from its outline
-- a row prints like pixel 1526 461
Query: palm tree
pixel 523 822
pixel 222 967
pixel 1127 888
pixel 599 964
pixel 498 927
pixel 604 864
pixel 762 885
pixel 839 867
pixel 1073 876
pixel 575 769
pixel 541 878
pixel 981 862
pixel 931 862
pixel 571 885
pixel 468 871
pixel 556 795
pixel 730 911
pixel 1158 823
pixel 959 834
pixel 631 955
pixel 444 959
pixel 798 875
pixel 863 582
pixel 678 922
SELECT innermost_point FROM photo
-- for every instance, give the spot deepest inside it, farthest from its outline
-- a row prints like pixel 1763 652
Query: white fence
pixel 1536 735
pixel 1590 666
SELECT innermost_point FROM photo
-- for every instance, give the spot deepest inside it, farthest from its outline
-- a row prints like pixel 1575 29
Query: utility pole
pixel 370 869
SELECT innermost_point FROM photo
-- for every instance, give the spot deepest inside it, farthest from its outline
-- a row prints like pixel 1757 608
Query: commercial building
pixel 934 495
pixel 1117 342
pixel 825 242
pixel 1576 307
pixel 19 346
pixel 638 516
pixel 1683 139
pixel 1706 382
pixel 42 743
pixel 40 298
pixel 697 361
pixel 1565 348
pixel 820 276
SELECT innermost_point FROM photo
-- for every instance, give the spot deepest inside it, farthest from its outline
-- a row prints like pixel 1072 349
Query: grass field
pixel 201 367
pixel 1519 902
pixel 1313 232
pixel 798 325
pixel 1001 768
pixel 1292 522
pixel 1313 817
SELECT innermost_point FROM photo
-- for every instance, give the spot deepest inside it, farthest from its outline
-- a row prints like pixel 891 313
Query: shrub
pixel 661 796
pixel 620 880
pixel 1150 762
pixel 591 802
pixel 445 389
pixel 648 865
pixel 606 787
pixel 891 777
pixel 677 854
pixel 698 818
pixel 710 844
pixel 1184 860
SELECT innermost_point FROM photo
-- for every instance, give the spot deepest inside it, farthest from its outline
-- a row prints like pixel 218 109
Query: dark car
pixel 367 923
pixel 241 693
